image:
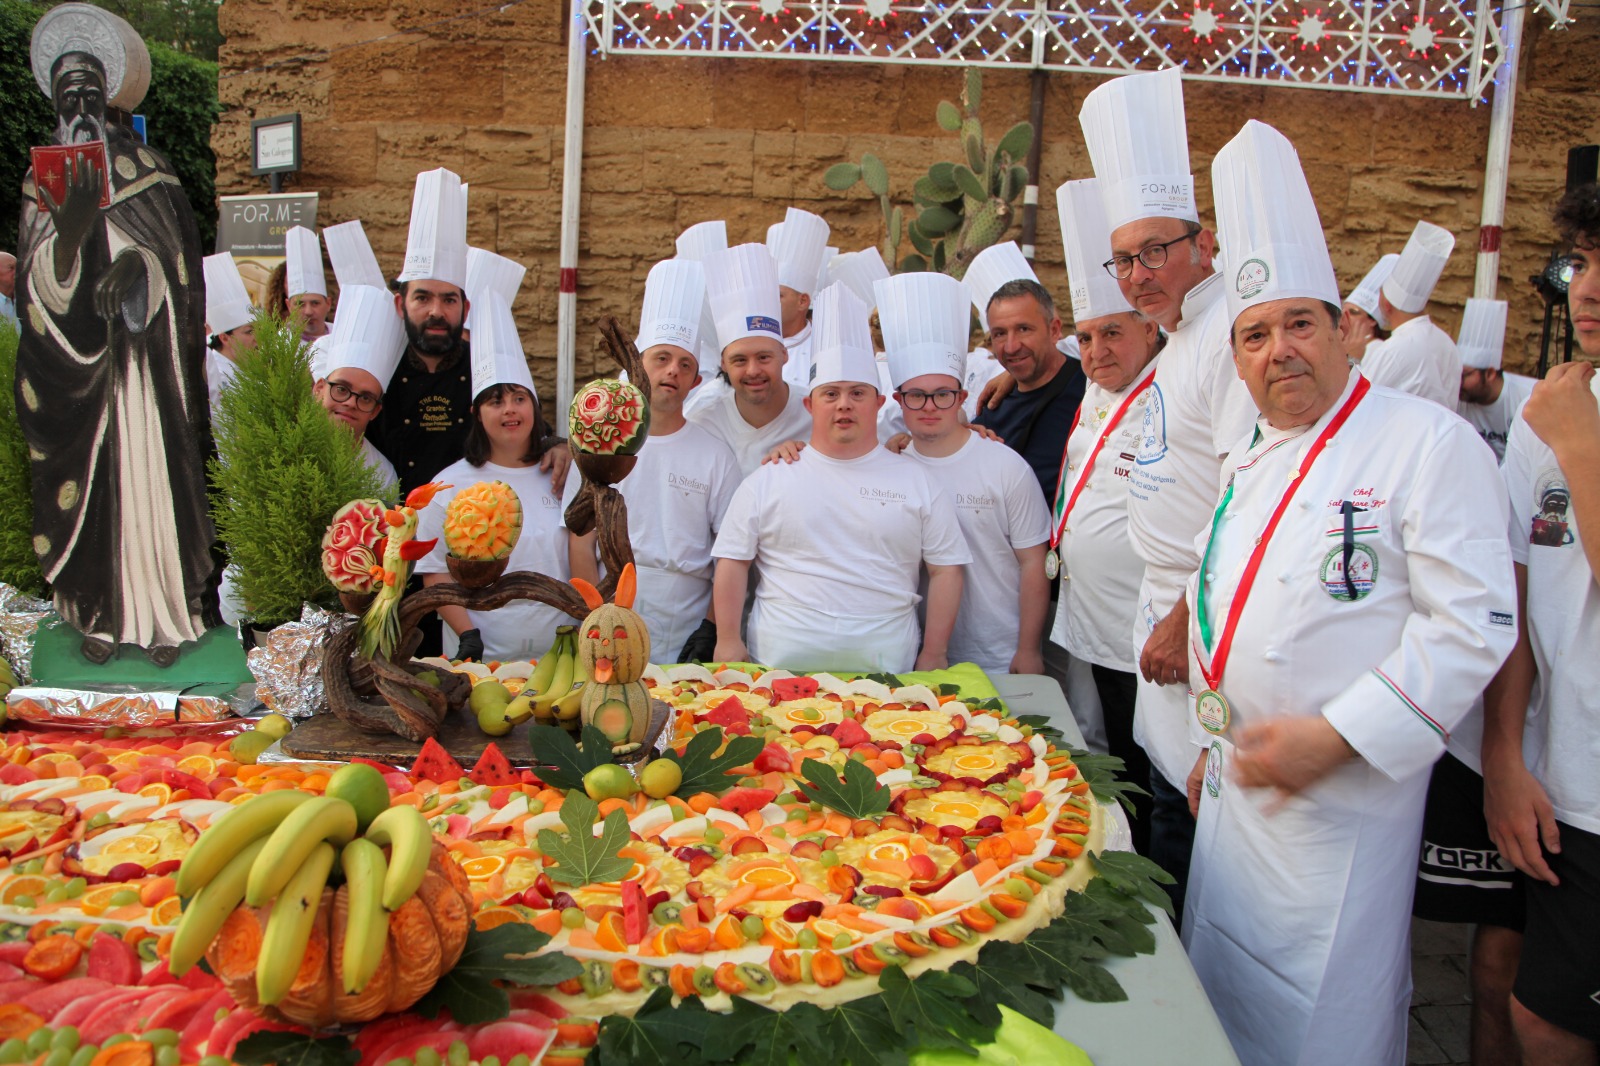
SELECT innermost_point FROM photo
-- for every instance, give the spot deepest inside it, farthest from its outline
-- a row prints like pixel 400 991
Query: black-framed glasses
pixel 943 399
pixel 341 392
pixel 1154 258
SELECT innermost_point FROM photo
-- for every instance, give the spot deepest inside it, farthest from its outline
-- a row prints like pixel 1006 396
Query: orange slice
pixel 28 885
pixel 492 917
pixel 97 900
pixel 893 851
pixel 956 809
pixel 767 877
pixel 783 932
pixel 201 766
pixel 127 759
pixel 483 867
pixel 162 794
pixel 168 911
pixel 94 782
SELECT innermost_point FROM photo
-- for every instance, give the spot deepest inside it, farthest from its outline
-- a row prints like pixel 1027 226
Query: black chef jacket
pixel 423 425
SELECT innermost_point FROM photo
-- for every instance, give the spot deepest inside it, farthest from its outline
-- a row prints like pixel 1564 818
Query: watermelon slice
pixel 507 1040
pixel 493 768
pixel 742 801
pixel 12 774
pixel 253 1023
pixel 11 991
pixel 9 972
pixel 120 1014
pixel 378 1035
pixel 731 715
pixel 406 1047
pixel 114 960
pixel 794 688
pixel 77 1011
pixel 192 1040
pixel 849 733
pixel 178 1011
pixel 435 764
pixel 15 951
pixel 47 1001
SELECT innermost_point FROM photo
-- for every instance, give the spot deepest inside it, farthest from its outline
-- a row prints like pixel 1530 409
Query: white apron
pixel 672 605
pixel 788 635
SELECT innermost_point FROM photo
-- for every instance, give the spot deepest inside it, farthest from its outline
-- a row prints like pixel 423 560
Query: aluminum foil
pixel 20 616
pixel 129 706
pixel 288 665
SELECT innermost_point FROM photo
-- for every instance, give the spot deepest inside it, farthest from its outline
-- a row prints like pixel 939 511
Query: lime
pixel 363 787
pixel 275 726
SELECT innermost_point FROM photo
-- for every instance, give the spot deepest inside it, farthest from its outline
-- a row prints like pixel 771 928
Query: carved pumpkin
pixel 426 936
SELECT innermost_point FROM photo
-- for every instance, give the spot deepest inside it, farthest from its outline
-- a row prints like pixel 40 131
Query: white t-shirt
pixel 1100 570
pixel 797 371
pixel 676 494
pixel 1493 421
pixel 1000 510
pixel 523 629
pixel 1561 740
pixel 840 546
pixel 721 418
pixel 219 371
pixel 891 419
pixel 1419 358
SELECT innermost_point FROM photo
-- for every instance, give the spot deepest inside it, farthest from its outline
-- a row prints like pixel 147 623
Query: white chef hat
pixel 436 246
pixel 497 357
pixel 923 316
pixel 841 338
pixel 1365 295
pixel 367 334
pixel 742 288
pixel 829 254
pixel 1134 126
pixel 227 302
pixel 1483 334
pixel 1086 239
pixel 486 272
pixel 859 271
pixel 1268 221
pixel 1417 270
pixel 321 349
pixel 674 301
pixel 351 256
pixel 701 239
pixel 796 245
pixel 303 275
pixel 992 268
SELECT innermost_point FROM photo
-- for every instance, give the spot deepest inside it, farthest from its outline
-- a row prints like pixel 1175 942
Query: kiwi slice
pixel 890 954
pixel 920 939
pixel 705 981
pixel 850 967
pixel 654 976
pixel 758 980
pixel 961 932
pixel 666 913
pixel 595 978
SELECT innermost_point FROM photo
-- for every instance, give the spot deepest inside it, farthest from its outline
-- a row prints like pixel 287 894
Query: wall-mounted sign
pixel 275 144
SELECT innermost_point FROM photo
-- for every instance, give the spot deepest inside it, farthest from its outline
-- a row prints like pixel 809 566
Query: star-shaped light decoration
pixel 663 7
pixel 1203 23
pixel 1420 37
pixel 770 8
pixel 878 9
pixel 1311 31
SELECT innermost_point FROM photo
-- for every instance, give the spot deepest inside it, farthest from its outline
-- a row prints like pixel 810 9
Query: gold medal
pixel 1052 564
pixel 1211 708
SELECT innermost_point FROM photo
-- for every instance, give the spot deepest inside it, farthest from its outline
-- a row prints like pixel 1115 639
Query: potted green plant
pixel 283 467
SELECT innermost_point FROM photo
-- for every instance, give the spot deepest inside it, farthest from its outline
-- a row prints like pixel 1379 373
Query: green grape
pixel 76 887
pixel 66 1037
pixel 162 1037
pixel 714 835
pixel 807 939
pixel 754 928
pixel 841 941
pixel 427 1056
pixel 829 858
pixel 168 1055
pixel 59 1056
pixel 38 1041
pixel 124 897
pixel 13 1050
pixel 574 918
pixel 457 1055
pixel 84 1055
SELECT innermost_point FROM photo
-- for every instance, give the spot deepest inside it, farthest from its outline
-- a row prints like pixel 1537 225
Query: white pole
pixel 1499 154
pixel 571 184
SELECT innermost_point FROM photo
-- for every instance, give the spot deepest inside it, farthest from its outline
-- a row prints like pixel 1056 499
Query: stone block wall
pixel 387 91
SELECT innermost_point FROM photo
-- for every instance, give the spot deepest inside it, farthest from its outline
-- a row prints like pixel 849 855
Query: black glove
pixel 701 645
pixel 471 646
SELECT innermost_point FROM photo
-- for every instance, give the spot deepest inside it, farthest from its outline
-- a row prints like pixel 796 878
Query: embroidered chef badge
pixel 1352 580
pixel 1214 768
pixel 1211 708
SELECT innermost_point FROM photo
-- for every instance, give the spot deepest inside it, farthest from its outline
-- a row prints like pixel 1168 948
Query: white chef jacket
pixel 840 545
pixel 1298 910
pixel 1561 738
pixel 721 418
pixel 797 371
pixel 999 508
pixel 219 371
pixel 522 629
pixel 375 460
pixel 1493 421
pixel 677 494
pixel 1197 410
pixel 1419 358
pixel 1100 571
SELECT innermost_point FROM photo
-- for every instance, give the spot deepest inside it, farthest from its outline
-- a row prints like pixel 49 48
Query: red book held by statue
pixel 50 170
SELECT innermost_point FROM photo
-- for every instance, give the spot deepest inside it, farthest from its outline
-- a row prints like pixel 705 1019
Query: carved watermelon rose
pixel 609 417
pixel 350 546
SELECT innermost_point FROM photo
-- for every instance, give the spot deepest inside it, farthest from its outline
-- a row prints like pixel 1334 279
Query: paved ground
pixel 1440 1006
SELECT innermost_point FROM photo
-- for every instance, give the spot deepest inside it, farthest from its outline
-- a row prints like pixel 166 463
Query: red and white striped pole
pixel 1498 154
pixel 571 186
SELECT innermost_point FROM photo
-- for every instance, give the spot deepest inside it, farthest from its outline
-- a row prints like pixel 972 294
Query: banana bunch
pixel 554 689
pixel 280 848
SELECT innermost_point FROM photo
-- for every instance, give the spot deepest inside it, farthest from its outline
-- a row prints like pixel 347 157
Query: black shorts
pixel 1461 876
pixel 1559 976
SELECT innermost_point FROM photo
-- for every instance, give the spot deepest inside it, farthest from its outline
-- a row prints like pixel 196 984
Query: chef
pixel 1490 399
pixel 1099 569
pixel 698 243
pixel 1354 597
pixel 304 281
pixel 760 410
pixel 1002 516
pixel 840 537
pixel 679 490
pixel 230 319
pixel 364 349
pixel 1419 357
pixel 860 272
pixel 353 263
pixel 488 272
pixel 1363 320
pixel 1197 408
pixel 797 244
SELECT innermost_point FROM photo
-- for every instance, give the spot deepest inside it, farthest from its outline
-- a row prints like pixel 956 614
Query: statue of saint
pixel 111 391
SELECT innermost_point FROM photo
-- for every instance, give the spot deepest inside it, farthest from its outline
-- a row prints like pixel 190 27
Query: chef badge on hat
pixel 1417 270
pixel 742 288
pixel 1086 240
pixel 351 256
pixel 1268 221
pixel 674 298
pixel 367 335
pixel 843 351
pixel 1139 146
pixel 436 245
pixel 1365 295
pixel 924 320
pixel 303 275
pixel 488 271
pixel 497 357
pixel 797 245
pixel 992 268
pixel 227 303
pixel 1483 334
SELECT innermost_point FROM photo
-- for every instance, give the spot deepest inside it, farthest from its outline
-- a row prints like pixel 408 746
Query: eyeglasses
pixel 341 392
pixel 943 399
pixel 1153 257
